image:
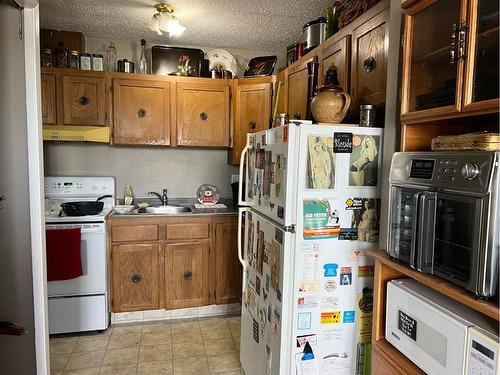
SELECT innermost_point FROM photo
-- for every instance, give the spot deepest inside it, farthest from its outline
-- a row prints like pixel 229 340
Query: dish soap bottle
pixel 143 65
pixel 128 196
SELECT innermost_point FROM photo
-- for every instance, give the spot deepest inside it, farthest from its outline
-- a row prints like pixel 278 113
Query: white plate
pixel 223 59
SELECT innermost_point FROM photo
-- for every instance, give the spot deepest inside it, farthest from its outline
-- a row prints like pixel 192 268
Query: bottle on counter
pixel 111 58
pixel 128 195
pixel 61 56
pixel 143 65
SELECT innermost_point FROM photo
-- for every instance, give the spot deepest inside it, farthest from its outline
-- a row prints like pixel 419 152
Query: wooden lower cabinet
pixel 186 274
pixel 135 277
pixel 228 269
pixel 173 263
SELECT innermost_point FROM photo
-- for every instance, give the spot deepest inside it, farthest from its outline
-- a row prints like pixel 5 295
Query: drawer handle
pixel 369 64
pixel 84 100
pixel 203 116
pixel 252 125
pixel 141 113
pixel 136 278
pixel 188 275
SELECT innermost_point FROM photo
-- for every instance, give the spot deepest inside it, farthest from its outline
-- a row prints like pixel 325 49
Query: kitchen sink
pixel 167 210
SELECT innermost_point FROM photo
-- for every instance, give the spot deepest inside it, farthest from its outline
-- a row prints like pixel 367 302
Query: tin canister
pixel 281 119
pixel 85 61
pixel 367 115
pixel 47 58
pixel 74 60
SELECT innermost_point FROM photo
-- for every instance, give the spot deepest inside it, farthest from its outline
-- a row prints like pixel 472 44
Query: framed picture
pixel 176 61
pixel 260 66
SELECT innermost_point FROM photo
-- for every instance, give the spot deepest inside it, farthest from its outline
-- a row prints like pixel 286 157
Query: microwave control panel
pixel 482 353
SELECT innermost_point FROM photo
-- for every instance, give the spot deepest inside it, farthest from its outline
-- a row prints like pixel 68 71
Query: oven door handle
pixel 427 206
pixel 414 230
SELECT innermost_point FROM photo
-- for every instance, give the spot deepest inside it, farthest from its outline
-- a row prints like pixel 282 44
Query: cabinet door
pixel 297 92
pixel 202 115
pixel 338 55
pixel 431 70
pixel 481 60
pixel 252 114
pixel 141 112
pixel 48 85
pixel 369 62
pixel 186 271
pixel 135 277
pixel 83 100
pixel 227 265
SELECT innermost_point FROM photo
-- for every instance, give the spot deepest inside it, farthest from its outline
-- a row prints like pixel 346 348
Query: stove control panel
pixel 79 186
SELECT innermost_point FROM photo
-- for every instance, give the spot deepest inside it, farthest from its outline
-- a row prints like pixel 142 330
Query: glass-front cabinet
pixel 450 60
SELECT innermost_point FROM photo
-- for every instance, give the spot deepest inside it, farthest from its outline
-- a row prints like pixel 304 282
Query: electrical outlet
pixel 235 178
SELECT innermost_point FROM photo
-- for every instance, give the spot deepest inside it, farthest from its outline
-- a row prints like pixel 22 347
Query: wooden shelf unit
pixel 386 358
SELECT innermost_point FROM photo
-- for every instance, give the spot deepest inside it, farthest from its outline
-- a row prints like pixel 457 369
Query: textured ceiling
pixel 269 25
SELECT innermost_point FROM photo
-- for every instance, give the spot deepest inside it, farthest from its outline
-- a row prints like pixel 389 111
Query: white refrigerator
pixel 309 197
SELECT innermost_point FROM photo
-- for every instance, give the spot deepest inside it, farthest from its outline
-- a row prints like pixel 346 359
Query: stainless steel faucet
pixel 162 197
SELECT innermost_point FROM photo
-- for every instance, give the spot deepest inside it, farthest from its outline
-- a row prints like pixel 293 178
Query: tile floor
pixel 202 346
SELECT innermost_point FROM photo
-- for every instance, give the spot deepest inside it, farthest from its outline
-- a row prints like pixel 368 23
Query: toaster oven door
pixel 403 223
pixel 457 242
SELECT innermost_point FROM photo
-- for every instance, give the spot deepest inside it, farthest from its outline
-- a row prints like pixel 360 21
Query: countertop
pixel 229 210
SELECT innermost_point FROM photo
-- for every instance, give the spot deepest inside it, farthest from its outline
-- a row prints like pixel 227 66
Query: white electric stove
pixel 80 304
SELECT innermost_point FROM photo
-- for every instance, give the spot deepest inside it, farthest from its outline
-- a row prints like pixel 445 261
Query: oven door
pixel 403 223
pixel 457 243
pixel 93 256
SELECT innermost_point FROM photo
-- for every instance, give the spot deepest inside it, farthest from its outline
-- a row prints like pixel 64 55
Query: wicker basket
pixel 351 9
pixel 467 142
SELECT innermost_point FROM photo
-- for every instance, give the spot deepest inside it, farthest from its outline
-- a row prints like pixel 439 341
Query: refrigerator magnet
pixel 304 321
pixel 330 317
pixel 363 163
pixel 348 317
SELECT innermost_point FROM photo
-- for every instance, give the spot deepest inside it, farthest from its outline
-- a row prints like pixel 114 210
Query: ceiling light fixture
pixel 165 21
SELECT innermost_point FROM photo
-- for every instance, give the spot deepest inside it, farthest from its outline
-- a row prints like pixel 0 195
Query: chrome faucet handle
pixel 165 197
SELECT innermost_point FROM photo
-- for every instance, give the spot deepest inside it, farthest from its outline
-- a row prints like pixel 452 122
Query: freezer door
pixel 266 162
pixel 266 302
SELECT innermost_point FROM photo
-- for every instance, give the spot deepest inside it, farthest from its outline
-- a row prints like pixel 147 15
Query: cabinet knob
pixel 252 125
pixel 203 116
pixel 369 64
pixel 136 278
pixel 84 100
pixel 141 113
pixel 188 275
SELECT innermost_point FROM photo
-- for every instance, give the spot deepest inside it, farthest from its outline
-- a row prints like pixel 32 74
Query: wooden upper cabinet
pixel 141 112
pixel 297 90
pixel 186 273
pixel 481 91
pixel 281 94
pixel 252 113
pixel 135 277
pixel 369 61
pixel 48 95
pixel 228 269
pixel 83 100
pixel 202 111
pixel 338 55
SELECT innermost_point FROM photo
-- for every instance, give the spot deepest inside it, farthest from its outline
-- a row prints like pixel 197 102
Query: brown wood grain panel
pixel 252 113
pixel 227 265
pixel 282 79
pixel 369 41
pixel 128 233
pixel 186 270
pixel 297 93
pixel 187 231
pixel 135 277
pixel 337 54
pixel 387 360
pixel 202 112
pixel 83 100
pixel 48 95
pixel 141 112
pixel 489 308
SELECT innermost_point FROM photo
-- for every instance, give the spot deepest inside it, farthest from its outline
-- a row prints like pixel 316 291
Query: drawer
pixel 188 231
pixel 129 233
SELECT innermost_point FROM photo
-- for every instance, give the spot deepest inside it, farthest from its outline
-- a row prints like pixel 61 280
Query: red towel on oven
pixel 63 254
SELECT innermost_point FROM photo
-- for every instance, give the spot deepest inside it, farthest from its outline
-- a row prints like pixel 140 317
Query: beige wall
pixel 181 171
pixel 131 50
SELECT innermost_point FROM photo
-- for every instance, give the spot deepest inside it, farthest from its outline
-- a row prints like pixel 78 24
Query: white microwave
pixel 438 334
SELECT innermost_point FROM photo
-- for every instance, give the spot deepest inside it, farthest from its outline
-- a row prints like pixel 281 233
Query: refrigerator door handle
pixel 241 199
pixel 240 248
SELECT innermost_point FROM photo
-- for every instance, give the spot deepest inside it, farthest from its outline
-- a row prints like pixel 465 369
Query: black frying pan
pixel 83 208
